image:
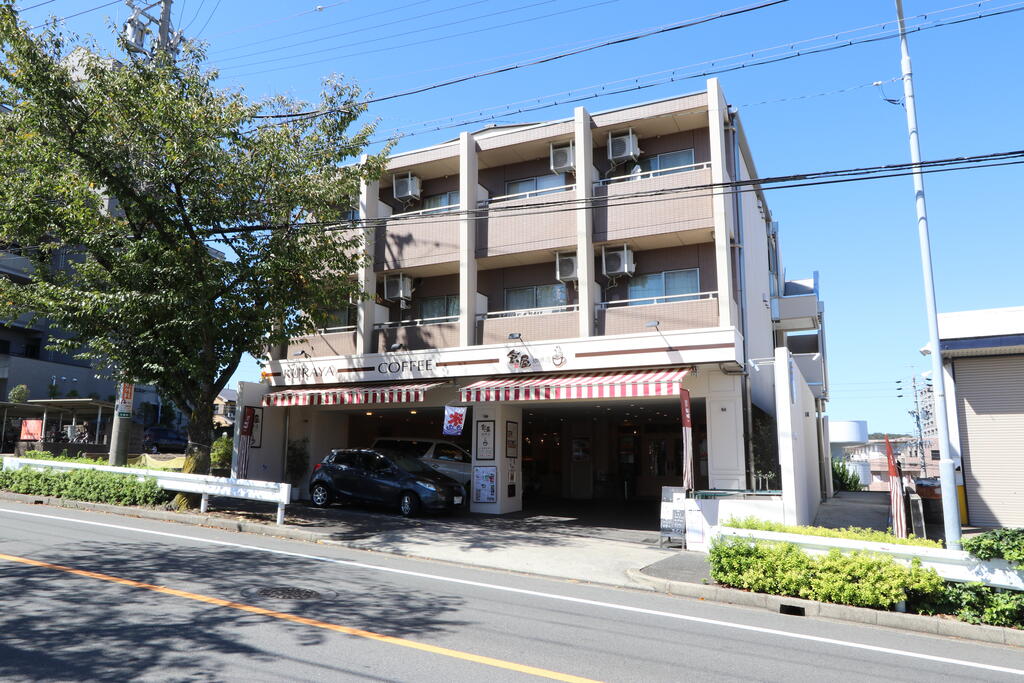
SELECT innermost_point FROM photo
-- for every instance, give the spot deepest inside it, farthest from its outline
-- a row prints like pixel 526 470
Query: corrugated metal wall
pixel 990 410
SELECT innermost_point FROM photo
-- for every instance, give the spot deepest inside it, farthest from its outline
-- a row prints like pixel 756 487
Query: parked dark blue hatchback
pixel 384 477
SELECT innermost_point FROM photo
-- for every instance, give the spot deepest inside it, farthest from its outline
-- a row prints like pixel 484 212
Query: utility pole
pixel 947 469
pixel 141 24
pixel 136 29
pixel 917 424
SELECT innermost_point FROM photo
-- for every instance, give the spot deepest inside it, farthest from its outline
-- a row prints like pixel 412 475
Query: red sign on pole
pixel 248 414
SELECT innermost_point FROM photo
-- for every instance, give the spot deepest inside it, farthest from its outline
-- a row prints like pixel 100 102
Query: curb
pixel 919 623
pixel 274 531
pixel 168 516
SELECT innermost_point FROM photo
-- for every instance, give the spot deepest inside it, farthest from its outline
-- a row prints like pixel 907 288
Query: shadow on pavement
pixel 58 626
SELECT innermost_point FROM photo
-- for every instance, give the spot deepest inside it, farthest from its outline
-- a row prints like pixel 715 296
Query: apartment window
pixel 668 160
pixel 345 317
pixel 439 306
pixel 670 283
pixel 536 296
pixel 936 455
pixel 448 201
pixel 539 185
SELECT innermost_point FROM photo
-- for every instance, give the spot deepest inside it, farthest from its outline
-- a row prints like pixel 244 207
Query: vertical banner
pixel 896 501
pixel 454 420
pixel 244 435
pixel 687 424
pixel 125 399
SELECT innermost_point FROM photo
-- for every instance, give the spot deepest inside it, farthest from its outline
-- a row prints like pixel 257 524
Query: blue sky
pixel 861 237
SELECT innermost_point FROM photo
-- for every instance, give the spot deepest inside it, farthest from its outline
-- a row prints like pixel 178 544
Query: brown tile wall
pixel 679 315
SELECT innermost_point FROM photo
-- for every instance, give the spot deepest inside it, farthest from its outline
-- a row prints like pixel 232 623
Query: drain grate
pixel 284 593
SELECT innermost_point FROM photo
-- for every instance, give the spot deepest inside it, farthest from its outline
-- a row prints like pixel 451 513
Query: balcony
pixel 508 226
pixel 534 324
pixel 417 238
pixel 618 217
pixel 335 341
pixel 798 308
pixel 674 312
pixel 812 367
pixel 414 335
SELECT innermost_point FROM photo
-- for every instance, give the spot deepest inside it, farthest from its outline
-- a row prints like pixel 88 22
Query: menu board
pixel 485 484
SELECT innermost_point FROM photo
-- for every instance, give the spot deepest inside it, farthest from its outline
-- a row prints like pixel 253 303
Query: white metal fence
pixel 249 489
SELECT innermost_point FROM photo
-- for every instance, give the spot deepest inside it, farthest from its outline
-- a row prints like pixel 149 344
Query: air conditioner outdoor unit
pixel 397 287
pixel 565 266
pixel 563 157
pixel 623 147
pixel 406 187
pixel 616 261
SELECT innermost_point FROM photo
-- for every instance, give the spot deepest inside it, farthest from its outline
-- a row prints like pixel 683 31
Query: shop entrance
pixel 614 451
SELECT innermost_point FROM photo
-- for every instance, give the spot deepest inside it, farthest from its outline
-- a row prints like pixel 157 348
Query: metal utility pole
pixel 917 425
pixel 947 469
pixel 141 24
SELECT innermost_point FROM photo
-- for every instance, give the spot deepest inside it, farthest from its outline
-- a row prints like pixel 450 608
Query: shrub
pixel 1007 544
pixel 88 485
pixel 64 457
pixel 18 394
pixel 974 603
pixel 843 478
pixel 855 533
pixel 858 578
pixel 220 452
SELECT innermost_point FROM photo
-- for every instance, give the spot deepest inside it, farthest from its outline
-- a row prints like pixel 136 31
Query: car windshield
pixel 406 462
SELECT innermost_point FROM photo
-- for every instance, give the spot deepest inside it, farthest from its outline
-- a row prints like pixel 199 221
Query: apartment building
pixel 567 281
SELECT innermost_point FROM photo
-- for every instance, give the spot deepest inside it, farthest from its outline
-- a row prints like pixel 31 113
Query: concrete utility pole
pixel 947 469
pixel 140 25
pixel 136 29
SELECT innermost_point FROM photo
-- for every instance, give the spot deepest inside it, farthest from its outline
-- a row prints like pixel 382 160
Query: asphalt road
pixel 92 597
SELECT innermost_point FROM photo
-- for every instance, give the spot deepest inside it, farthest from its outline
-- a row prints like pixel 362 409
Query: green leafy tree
pixel 18 394
pixel 192 167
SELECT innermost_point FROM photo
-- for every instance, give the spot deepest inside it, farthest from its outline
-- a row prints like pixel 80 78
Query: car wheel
pixel 409 504
pixel 320 495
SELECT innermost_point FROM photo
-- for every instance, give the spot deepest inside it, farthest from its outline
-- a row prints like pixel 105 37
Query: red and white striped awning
pixel 630 384
pixel 351 394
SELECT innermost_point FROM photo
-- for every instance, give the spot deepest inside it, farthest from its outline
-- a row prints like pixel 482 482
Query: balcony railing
pixel 532 324
pixel 672 312
pixel 651 174
pixel 421 333
pixel 526 195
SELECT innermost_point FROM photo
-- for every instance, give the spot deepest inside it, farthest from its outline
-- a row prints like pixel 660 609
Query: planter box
pixel 952 565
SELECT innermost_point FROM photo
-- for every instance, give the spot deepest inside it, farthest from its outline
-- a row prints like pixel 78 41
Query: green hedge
pixel 855 533
pixel 81 459
pixel 88 485
pixel 858 578
pixel 1007 544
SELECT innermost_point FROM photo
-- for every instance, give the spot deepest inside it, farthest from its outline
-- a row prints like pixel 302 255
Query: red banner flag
pixel 896 500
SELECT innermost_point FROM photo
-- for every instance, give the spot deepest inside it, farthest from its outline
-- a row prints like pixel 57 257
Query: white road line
pixel 540 594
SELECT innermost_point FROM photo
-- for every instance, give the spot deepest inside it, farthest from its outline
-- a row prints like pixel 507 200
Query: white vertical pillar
pixel 584 143
pixel 468 181
pixel 720 202
pixel 369 210
pixel 498 466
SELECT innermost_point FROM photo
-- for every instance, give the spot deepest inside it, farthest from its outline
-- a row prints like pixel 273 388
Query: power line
pixel 670 75
pixel 38 4
pixel 495 27
pixel 1014 157
pixel 78 14
pixel 646 33
pixel 375 39
pixel 318 8
pixel 215 7
pixel 315 28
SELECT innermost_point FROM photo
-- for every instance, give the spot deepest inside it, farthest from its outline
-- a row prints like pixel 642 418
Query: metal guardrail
pixel 652 174
pixel 520 312
pixel 952 565
pixel 248 489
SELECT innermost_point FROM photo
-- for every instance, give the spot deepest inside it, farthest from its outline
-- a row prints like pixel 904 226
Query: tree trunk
pixel 197 456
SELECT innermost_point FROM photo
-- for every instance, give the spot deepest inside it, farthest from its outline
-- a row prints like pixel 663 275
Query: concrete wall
pixel 266 462
pixel 37 373
pixel 798 441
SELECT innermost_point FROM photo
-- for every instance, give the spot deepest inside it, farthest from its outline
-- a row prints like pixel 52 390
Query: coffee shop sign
pixel 312 372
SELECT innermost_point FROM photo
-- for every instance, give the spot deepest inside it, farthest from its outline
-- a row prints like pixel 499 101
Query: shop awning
pixel 351 394
pixel 631 384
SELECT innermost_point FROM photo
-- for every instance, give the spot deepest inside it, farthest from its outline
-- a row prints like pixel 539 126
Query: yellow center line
pixel 294 618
